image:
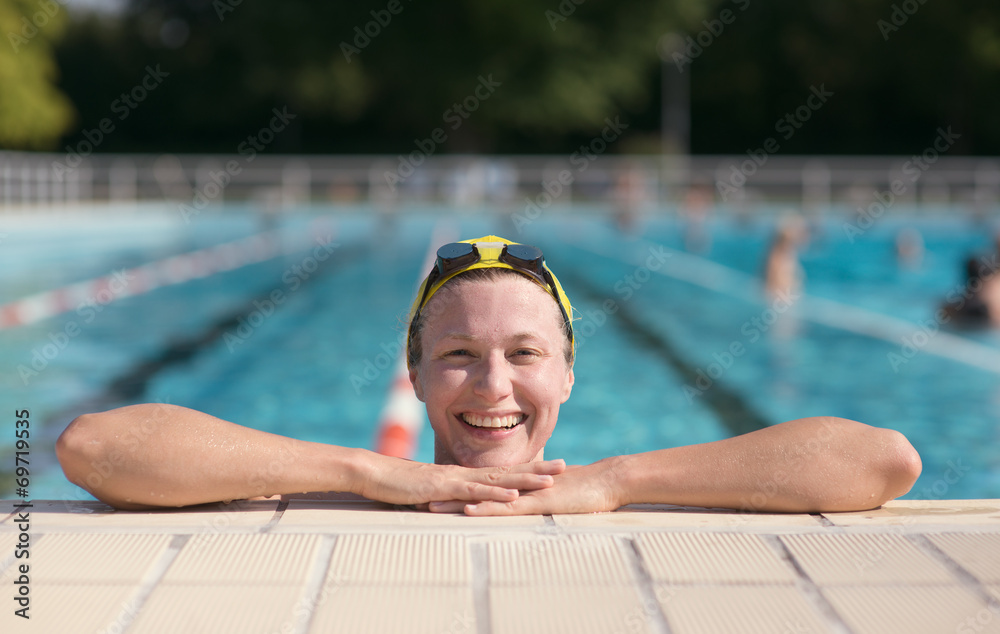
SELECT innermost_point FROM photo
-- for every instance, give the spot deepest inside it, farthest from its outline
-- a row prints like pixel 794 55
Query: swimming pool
pixel 675 347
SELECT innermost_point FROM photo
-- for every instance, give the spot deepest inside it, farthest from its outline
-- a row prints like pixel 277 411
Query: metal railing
pixel 34 182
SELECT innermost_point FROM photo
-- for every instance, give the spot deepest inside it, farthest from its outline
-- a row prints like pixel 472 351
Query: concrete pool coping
pixel 314 566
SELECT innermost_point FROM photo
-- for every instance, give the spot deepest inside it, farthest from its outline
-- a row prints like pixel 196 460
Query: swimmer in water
pixel 978 302
pixel 490 352
pixel 782 271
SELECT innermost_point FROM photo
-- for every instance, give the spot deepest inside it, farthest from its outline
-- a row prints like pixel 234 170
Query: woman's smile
pixel 493 421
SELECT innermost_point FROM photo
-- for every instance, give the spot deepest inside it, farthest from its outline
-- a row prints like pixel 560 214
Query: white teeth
pixel 497 422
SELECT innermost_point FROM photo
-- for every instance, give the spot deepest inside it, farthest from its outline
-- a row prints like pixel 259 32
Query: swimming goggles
pixel 492 252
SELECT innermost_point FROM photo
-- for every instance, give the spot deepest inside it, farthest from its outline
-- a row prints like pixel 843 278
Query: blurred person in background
pixel 978 302
pixel 783 273
pixel 909 247
pixel 629 196
pixel 695 211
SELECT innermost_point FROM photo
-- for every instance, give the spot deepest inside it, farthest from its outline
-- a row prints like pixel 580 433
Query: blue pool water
pixel 316 367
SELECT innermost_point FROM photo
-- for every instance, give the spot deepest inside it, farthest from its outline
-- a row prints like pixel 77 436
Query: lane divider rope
pixel 141 279
pixel 827 312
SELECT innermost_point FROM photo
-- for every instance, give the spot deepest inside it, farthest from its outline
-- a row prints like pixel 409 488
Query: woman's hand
pixel 399 481
pixel 804 466
pixel 581 489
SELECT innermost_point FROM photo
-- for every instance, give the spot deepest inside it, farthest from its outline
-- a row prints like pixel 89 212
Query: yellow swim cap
pixel 491 252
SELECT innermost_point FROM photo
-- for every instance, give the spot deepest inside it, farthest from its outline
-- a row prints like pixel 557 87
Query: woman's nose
pixel 493 382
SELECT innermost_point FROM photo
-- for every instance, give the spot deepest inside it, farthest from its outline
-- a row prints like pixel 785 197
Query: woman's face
pixel 493 371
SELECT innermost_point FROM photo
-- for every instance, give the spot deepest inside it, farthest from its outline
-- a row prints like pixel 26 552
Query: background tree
pixel 897 70
pixel 362 79
pixel 34 114
pixel 359 82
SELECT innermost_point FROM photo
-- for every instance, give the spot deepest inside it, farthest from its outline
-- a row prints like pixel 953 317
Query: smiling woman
pixel 499 359
pixel 495 371
pixel 490 353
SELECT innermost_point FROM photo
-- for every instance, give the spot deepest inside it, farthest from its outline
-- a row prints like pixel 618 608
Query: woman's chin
pixel 492 457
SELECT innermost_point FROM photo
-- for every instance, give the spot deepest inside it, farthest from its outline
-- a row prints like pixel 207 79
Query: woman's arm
pixel 806 465
pixel 163 455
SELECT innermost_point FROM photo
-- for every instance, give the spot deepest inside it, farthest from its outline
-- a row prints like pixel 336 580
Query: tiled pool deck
pixel 307 566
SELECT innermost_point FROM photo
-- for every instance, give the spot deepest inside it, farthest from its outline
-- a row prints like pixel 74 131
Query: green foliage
pixel 898 69
pixel 559 74
pixel 34 114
